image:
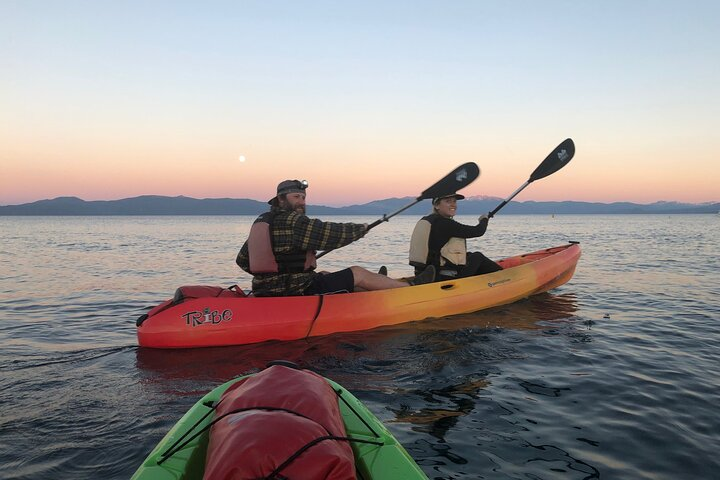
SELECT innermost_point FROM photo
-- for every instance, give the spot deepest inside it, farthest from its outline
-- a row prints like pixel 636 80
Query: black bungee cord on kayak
pixel 177 446
pixel 186 438
pixel 172 449
pixel 339 394
pixel 274 474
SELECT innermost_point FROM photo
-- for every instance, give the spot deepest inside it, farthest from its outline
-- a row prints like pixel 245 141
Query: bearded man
pixel 280 251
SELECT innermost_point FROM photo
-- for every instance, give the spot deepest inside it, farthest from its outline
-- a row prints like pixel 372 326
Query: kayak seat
pixel 189 292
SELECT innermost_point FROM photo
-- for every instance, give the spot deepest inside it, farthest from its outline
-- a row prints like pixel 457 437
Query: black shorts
pixel 336 282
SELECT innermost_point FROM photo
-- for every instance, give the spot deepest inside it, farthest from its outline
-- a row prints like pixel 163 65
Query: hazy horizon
pixel 339 205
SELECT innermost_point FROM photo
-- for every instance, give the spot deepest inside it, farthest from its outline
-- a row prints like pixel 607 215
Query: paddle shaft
pixel 385 218
pixel 507 200
pixel 459 178
pixel 557 159
pixel 377 222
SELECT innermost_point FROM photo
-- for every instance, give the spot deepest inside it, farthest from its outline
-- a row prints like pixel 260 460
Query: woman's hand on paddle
pixel 482 218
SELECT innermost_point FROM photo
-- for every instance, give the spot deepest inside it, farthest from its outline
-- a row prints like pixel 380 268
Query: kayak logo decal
pixel 563 156
pixel 499 282
pixel 461 175
pixel 207 316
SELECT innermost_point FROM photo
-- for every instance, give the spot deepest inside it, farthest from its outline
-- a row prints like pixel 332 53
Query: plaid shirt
pixel 292 233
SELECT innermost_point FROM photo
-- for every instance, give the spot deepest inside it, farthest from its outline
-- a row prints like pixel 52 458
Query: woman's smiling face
pixel 446 207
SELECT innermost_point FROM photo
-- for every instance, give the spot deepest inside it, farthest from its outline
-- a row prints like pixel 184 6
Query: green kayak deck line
pixel 186 458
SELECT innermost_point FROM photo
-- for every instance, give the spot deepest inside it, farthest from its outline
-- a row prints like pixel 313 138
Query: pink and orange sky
pixel 369 100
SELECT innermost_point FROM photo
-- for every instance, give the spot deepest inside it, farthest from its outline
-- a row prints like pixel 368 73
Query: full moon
pixel 242 158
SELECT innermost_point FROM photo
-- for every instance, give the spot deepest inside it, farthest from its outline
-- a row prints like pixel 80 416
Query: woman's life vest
pixel 262 257
pixel 453 252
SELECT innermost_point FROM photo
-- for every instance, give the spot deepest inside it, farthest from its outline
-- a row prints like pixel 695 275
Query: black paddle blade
pixel 559 157
pixel 459 178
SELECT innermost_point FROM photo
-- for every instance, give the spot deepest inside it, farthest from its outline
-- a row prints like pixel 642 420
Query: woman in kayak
pixel 438 240
pixel 280 251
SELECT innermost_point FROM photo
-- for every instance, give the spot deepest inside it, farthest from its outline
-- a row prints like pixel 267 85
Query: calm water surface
pixel 614 375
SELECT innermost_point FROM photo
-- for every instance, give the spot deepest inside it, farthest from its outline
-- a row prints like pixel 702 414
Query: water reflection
pixel 430 376
pixel 657 314
pixel 525 314
pixel 218 363
pixel 438 421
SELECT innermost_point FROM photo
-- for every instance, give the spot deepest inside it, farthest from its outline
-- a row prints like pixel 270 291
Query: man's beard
pixel 289 208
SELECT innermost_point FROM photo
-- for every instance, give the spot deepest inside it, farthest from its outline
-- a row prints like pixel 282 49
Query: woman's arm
pixel 451 228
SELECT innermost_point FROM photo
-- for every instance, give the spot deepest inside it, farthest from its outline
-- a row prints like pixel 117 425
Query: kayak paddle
pixel 557 159
pixel 459 178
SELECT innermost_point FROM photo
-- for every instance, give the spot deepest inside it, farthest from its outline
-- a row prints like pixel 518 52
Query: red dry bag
pixel 279 423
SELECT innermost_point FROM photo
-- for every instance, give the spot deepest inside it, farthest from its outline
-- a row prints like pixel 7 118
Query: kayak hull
pixel 210 321
pixel 384 459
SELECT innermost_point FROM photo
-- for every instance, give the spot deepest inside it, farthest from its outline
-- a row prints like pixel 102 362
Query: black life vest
pixel 454 252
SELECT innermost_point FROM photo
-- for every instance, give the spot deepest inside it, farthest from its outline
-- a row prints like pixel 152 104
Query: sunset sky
pixel 366 100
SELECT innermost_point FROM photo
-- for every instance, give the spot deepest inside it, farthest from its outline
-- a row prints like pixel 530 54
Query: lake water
pixel 614 375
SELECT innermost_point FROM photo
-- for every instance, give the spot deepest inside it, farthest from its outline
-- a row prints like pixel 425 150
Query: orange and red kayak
pixel 238 319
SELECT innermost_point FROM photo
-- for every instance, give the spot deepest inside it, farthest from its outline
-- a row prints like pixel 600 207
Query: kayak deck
pixel 181 453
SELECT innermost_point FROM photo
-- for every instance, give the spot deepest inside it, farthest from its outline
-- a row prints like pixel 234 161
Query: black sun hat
pixel 457 196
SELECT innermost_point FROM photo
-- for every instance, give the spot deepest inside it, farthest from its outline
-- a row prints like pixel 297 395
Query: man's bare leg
pixel 367 280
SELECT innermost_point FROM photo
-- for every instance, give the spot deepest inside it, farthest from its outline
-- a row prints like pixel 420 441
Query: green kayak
pixel 183 452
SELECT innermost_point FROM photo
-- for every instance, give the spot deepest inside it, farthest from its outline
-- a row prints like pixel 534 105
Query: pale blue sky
pixel 112 94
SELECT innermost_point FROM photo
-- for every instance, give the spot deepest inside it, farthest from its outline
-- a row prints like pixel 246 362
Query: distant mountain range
pixel 159 205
